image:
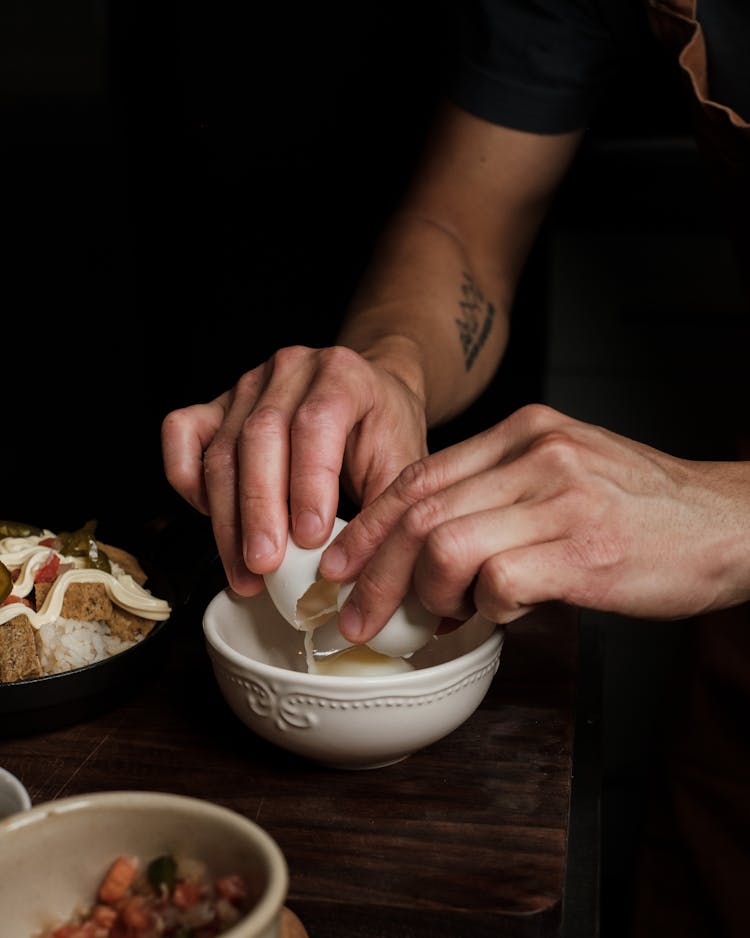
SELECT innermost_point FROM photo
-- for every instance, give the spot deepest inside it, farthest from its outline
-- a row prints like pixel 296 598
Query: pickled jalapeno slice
pixel 6 582
pixel 19 529
pixel 82 543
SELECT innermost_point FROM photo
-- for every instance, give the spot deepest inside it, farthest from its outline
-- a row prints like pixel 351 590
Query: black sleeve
pixel 534 65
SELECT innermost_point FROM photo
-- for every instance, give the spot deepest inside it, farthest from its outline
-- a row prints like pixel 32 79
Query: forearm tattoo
pixel 477 315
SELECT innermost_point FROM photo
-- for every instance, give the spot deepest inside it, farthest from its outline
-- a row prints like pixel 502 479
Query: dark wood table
pixel 469 837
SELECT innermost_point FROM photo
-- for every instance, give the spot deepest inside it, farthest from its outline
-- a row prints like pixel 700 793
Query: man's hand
pixel 274 446
pixel 544 507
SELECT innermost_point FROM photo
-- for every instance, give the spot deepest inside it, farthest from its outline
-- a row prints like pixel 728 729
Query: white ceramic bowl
pixel 13 794
pixel 53 856
pixel 345 722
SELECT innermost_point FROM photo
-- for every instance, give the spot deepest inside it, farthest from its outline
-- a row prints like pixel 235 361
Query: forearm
pixel 435 303
pixel 432 314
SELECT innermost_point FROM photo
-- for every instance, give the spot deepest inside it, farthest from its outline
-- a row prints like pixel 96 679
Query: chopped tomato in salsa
pixel 165 899
pixel 9 600
pixel 48 571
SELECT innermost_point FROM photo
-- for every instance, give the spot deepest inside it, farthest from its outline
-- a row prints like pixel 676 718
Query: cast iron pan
pixel 46 703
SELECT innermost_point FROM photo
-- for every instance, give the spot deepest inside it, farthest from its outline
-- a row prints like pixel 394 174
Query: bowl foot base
pixel 347 766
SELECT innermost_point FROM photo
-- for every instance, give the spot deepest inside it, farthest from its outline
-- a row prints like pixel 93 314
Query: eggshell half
pixel 410 628
pixel 308 603
pixel 297 572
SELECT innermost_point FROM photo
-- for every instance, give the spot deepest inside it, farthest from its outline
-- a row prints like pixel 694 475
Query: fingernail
pixel 308 526
pixel 350 622
pixel 333 562
pixel 258 546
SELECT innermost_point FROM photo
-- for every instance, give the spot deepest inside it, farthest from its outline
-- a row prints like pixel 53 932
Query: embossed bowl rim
pixel 424 677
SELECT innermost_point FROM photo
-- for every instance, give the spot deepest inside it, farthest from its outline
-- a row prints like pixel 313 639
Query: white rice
pixel 71 643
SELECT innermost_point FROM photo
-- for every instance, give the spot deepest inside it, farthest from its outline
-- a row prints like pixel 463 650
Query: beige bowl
pixel 344 722
pixel 53 856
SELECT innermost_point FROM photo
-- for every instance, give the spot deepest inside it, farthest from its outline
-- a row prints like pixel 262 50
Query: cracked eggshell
pixel 297 572
pixel 409 628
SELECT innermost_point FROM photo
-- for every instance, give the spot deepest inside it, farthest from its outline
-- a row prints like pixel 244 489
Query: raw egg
pixel 311 604
pixel 359 661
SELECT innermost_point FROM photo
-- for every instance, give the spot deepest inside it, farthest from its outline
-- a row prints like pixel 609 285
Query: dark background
pixel 189 186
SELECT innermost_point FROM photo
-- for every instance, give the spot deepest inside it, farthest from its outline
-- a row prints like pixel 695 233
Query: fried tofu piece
pixel 127 625
pixel 88 602
pixel 18 655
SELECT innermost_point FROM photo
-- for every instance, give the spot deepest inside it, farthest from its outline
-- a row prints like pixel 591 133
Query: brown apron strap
pixel 695 874
pixel 675 24
pixel 722 134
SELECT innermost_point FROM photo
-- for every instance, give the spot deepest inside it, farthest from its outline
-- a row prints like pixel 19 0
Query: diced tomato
pixel 186 894
pixel 65 931
pixel 53 542
pixel 135 915
pixel 49 570
pixel 104 915
pixel 9 600
pixel 85 930
pixel 119 877
pixel 130 905
pixel 231 887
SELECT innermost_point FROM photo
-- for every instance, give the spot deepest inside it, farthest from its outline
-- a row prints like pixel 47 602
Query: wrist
pixel 404 359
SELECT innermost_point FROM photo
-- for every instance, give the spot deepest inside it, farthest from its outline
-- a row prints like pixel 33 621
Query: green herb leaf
pixel 162 873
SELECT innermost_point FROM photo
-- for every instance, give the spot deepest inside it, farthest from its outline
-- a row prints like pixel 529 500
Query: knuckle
pixel 559 452
pixel 420 519
pixel 594 552
pixel 371 530
pixel 266 421
pixel 219 458
pixel 174 419
pixel 538 417
pixel 338 358
pixel 289 357
pixel 496 591
pixel 413 481
pixel 496 579
pixel 313 412
pixel 247 385
pixel 372 589
pixel 442 549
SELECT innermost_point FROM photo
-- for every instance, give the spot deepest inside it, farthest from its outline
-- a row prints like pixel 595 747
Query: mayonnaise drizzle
pixel 121 588
pixel 32 559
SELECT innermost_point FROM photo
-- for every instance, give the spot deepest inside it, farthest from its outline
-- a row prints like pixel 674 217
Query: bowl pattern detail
pixel 339 721
pixel 296 711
